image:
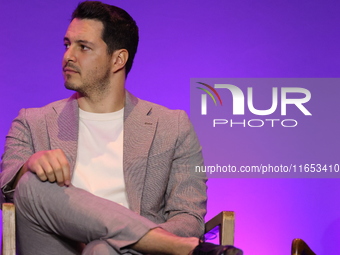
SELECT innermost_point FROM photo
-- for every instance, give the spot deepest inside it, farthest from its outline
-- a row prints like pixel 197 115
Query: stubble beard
pixel 92 85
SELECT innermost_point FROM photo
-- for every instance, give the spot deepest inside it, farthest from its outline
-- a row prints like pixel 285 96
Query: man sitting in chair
pixel 103 167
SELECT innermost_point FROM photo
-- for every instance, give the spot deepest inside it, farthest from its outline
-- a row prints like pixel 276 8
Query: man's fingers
pixel 67 176
pixel 65 168
pixel 49 171
pixel 57 170
pixel 50 165
pixel 40 173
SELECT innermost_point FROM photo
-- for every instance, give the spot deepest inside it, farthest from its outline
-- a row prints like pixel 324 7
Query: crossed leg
pixel 53 220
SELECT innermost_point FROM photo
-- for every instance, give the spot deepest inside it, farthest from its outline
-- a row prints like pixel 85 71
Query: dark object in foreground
pixel 213 249
pixel 299 247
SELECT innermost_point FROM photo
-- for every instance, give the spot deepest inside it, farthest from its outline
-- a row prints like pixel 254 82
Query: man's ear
pixel 119 59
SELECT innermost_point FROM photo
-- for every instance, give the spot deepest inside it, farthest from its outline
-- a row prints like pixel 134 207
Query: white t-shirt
pixel 99 164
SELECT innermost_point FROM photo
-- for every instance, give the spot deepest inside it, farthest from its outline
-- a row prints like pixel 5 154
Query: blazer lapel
pixel 139 130
pixel 62 127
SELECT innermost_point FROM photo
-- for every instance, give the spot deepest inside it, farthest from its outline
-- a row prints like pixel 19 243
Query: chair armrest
pixel 8 229
pixel 226 222
pixel 299 247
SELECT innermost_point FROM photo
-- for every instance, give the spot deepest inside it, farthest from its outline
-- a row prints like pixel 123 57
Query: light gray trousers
pixel 53 220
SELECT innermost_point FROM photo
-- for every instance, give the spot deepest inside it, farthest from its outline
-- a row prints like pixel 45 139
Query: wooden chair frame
pixel 8 229
pixel 226 222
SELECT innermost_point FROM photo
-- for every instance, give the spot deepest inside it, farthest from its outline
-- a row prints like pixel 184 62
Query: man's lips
pixel 70 70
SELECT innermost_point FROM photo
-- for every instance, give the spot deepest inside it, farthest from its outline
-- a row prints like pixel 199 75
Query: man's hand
pixel 49 166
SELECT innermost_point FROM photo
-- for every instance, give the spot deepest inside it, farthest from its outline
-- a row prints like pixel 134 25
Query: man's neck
pixel 110 101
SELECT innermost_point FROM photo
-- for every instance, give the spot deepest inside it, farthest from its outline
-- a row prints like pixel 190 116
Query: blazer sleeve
pixel 18 148
pixel 186 197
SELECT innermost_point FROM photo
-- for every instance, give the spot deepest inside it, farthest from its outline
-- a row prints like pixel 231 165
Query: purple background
pixel 180 40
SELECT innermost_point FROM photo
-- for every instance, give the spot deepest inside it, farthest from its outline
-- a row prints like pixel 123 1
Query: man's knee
pixel 25 187
pixel 30 189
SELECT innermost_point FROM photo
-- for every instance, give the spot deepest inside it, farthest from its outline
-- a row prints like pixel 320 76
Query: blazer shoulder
pixel 52 108
pixel 162 111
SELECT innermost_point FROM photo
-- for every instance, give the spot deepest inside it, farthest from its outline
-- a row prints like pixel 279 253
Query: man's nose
pixel 69 55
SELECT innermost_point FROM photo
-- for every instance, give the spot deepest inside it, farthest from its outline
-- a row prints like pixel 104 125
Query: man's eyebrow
pixel 84 42
pixel 79 41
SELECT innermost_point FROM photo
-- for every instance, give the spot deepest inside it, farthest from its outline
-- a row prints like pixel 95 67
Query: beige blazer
pixel 160 153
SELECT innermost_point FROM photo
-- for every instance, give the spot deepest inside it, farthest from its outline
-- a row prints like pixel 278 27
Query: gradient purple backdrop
pixel 180 40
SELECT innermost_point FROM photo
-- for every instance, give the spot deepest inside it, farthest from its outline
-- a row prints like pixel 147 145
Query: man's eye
pixel 83 47
pixel 66 45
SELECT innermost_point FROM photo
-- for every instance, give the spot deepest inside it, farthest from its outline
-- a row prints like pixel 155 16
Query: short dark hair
pixel 120 30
